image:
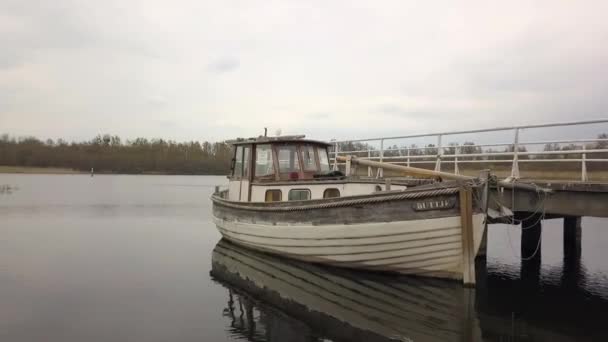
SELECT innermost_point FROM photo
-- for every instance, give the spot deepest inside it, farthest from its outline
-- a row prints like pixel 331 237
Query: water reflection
pixel 7 189
pixel 272 299
pixel 559 305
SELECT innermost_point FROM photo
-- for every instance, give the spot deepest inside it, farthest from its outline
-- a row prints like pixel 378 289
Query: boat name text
pixel 434 205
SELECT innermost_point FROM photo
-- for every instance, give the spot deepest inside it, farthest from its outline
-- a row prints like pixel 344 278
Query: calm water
pixel 129 258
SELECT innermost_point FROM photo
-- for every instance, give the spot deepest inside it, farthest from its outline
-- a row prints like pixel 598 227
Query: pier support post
pixel 572 273
pixel 531 241
pixel 572 236
pixel 484 176
pixel 531 238
pixel 483 247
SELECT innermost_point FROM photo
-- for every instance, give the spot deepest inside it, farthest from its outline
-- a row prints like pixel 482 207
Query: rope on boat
pixel 345 203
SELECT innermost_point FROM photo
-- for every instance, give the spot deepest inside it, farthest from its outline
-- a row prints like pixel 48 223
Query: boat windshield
pixel 288 158
pixel 323 160
pixel 238 162
pixel 308 158
pixel 263 160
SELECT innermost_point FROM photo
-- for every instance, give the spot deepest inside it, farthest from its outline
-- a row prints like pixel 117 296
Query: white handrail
pixel 441 155
pixel 495 129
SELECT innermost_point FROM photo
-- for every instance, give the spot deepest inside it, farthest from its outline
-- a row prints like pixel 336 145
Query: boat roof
pixel 277 139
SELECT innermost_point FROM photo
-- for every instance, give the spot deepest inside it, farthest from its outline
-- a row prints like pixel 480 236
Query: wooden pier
pixel 515 200
pixel 569 201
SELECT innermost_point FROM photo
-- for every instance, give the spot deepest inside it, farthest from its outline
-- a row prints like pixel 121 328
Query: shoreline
pixel 24 170
pixel 594 175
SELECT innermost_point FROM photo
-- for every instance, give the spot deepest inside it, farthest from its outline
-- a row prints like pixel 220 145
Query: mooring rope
pixel 540 207
pixel 540 210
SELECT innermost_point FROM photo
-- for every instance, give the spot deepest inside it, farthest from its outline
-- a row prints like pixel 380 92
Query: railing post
pixel 515 166
pixel 584 176
pixel 456 152
pixel 369 168
pixel 380 173
pixel 347 168
pixel 439 154
pixel 336 156
pixel 408 157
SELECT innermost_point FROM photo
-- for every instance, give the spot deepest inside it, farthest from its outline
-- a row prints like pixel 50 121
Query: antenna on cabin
pixel 265 132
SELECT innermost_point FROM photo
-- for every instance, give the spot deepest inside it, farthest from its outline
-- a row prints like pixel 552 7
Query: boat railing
pixel 581 150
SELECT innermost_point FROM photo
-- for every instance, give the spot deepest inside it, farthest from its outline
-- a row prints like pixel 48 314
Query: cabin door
pixel 244 190
pixel 244 187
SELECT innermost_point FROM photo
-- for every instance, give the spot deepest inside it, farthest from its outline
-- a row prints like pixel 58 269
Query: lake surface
pixel 136 258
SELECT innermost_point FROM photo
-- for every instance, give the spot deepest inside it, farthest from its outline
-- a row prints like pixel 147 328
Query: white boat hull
pixel 429 247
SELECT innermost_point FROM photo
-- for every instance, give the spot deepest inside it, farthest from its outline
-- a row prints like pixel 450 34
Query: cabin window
pixel 273 195
pixel 263 161
pixel 246 152
pixel 288 159
pixel 238 162
pixel 299 194
pixel 331 193
pixel 323 160
pixel 308 158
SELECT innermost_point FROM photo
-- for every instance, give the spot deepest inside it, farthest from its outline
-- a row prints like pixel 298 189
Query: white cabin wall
pixel 234 190
pixel 244 190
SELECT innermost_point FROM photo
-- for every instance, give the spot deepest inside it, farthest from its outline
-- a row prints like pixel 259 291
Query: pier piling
pixel 531 242
pixel 572 272
pixel 531 237
pixel 572 236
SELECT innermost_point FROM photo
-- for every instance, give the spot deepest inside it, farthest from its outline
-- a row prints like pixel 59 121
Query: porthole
pixel 331 193
pixel 273 195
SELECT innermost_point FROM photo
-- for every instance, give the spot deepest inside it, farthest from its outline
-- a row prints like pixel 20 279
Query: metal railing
pixel 455 155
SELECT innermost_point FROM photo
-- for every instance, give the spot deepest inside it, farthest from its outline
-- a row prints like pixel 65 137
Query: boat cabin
pixel 288 168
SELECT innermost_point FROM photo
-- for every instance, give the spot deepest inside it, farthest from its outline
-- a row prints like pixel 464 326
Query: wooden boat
pixel 284 199
pixel 273 299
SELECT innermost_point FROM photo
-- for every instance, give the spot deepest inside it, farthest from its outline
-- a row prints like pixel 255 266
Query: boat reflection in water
pixel 276 299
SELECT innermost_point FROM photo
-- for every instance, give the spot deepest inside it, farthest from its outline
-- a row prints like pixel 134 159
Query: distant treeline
pixel 106 153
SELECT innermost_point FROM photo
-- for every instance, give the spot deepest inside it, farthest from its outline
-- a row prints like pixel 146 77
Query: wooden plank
pixel 466 219
pixel 404 169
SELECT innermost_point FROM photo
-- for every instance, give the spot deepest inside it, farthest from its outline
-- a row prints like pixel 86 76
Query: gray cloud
pixel 400 111
pixel 157 102
pixel 77 68
pixel 225 64
pixel 319 116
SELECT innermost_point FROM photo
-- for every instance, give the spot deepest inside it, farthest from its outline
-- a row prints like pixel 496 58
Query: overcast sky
pixel 214 70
